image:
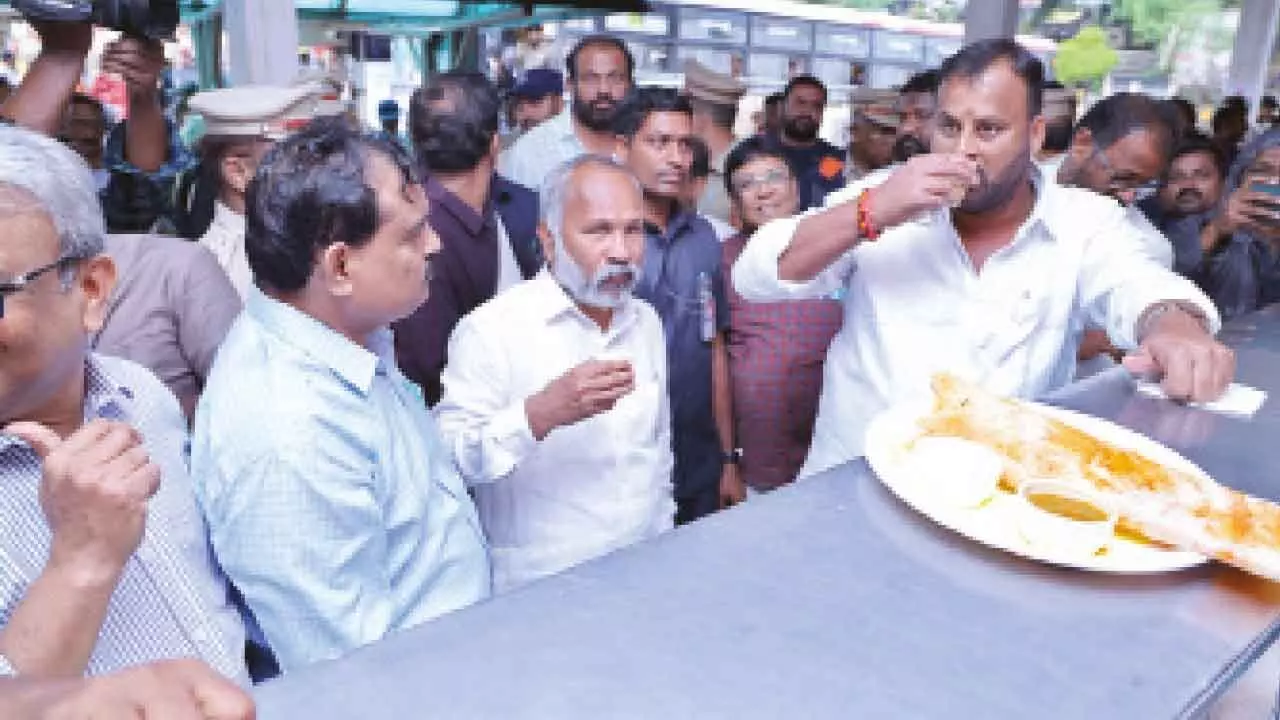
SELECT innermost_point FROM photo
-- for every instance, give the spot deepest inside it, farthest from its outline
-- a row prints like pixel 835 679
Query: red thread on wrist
pixel 866 229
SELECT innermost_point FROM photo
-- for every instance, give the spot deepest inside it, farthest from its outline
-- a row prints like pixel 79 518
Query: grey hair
pixel 556 187
pixel 40 174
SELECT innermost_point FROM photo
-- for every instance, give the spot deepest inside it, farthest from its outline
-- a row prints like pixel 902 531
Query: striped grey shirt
pixel 171 600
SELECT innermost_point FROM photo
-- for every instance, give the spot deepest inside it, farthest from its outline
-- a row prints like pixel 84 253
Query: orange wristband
pixel 866 230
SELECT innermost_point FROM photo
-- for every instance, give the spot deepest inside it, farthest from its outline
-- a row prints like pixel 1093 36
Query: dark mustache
pixel 1190 192
pixel 907 147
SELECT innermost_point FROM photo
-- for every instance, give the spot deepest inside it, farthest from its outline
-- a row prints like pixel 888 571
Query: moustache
pixel 1190 193
pixel 907 147
pixel 616 276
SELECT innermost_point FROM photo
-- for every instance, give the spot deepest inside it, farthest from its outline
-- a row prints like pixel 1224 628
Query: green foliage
pixel 1152 20
pixel 1084 59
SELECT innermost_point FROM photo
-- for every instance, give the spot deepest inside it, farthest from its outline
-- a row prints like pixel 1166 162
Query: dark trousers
pixel 697 505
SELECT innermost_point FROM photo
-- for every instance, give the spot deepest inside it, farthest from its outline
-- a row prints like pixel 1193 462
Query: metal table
pixel 831 599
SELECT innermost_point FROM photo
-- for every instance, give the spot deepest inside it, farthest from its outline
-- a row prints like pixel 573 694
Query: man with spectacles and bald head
pixel 1120 148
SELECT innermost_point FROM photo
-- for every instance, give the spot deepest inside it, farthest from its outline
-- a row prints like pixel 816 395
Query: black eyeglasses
pixel 21 282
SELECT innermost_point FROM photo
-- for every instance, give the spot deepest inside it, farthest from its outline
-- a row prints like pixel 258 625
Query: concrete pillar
pixel 986 19
pixel 262 41
pixel 1255 39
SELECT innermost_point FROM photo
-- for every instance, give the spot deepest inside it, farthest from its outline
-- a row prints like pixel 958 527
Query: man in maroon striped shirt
pixel 776 350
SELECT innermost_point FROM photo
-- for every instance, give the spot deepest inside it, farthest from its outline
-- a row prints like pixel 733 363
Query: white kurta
pixel 915 306
pixel 586 489
pixel 225 239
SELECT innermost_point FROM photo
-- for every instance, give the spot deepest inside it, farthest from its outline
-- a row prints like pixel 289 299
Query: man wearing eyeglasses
pixel 104 562
pixel 1120 148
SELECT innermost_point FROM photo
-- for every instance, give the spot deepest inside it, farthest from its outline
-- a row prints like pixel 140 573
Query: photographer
pixel 142 162
pixel 1241 271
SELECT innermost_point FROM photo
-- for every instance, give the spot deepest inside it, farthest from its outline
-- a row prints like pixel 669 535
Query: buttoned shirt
pixel 1153 243
pixel 776 351
pixel 585 489
pixel 331 503
pixel 170 601
pixel 225 239
pixel 169 310
pixel 541 149
pixel 916 305
pixel 676 263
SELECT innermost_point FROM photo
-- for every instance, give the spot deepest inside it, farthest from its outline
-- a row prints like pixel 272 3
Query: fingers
pixel 118 439
pixel 952 166
pixel 134 473
pixel 215 697
pixel 1140 363
pixel 1179 375
pixel 167 701
pixel 1214 370
pixel 220 700
pixel 607 381
pixel 87 436
pixel 41 439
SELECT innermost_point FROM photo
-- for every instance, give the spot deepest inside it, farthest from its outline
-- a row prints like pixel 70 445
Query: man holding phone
pixel 1241 270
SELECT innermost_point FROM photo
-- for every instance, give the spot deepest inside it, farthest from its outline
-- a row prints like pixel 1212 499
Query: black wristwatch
pixel 731 457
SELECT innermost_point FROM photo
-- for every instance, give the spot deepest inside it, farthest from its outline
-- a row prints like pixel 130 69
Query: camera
pixel 149 19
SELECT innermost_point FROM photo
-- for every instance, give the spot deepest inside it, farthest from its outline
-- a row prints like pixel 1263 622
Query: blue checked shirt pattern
pixel 332 505
pixel 171 602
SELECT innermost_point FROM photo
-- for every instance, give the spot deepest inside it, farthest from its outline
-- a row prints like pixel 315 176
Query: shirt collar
pixel 441 197
pixel 228 218
pixel 557 303
pixel 679 223
pixel 104 397
pixel 563 126
pixel 354 364
pixel 1047 190
pixel 1042 210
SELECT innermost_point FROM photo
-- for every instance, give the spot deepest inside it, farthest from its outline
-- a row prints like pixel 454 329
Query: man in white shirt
pixel 555 394
pixel 600 78
pixel 992 290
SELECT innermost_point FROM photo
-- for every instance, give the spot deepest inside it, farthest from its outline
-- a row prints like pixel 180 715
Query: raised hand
pixel 94 493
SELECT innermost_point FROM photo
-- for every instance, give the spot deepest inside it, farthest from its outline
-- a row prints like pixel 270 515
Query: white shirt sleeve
pixel 1119 280
pixel 485 429
pixel 1154 242
pixel 755 274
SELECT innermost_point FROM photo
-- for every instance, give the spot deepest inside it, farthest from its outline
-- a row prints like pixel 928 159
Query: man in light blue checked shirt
pixel 332 505
pixel 104 562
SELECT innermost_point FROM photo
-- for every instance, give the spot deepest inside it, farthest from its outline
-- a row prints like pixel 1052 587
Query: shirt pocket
pixel 635 416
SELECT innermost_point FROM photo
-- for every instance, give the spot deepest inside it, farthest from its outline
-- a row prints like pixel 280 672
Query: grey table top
pixel 831 599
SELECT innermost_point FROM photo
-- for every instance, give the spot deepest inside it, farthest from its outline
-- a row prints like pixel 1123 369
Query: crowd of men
pixel 383 384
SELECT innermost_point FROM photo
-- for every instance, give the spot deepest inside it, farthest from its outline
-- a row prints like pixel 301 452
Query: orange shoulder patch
pixel 830 167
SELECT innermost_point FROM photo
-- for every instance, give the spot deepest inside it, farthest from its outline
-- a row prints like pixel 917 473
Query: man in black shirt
pixel 818 165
